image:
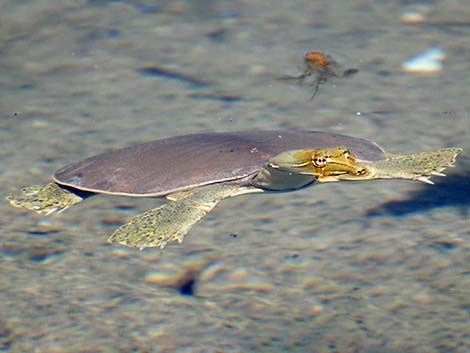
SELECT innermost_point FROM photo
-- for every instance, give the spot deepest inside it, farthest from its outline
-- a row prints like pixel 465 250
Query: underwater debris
pixel 319 68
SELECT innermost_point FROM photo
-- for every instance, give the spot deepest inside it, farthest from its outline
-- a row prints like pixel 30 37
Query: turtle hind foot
pixel 171 221
pixel 44 199
pixel 154 228
pixel 421 166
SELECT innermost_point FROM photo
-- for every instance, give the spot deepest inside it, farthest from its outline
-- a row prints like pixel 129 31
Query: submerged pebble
pixel 428 61
pixel 412 16
pixel 221 277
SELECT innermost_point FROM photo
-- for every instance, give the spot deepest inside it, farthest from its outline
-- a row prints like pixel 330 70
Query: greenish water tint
pixel 361 267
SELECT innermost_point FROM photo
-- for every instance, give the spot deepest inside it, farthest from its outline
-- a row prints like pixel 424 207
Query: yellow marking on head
pixel 328 162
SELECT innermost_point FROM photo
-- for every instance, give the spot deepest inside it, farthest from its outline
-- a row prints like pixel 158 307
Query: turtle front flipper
pixel 44 199
pixel 171 221
pixel 420 166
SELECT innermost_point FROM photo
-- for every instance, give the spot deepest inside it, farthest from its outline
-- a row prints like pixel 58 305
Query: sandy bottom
pixel 376 267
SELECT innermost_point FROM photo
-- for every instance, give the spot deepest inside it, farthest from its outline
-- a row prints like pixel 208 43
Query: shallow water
pixel 349 267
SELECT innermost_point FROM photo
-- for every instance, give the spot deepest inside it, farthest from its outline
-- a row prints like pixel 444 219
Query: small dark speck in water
pixel 12 250
pixel 114 33
pixel 49 159
pixel 445 245
pixel 124 207
pixel 147 8
pixel 384 73
pixel 216 97
pixel 112 222
pixel 219 35
pixel 43 254
pixel 6 337
pixel 187 287
pixel 28 86
pixel 42 233
pixel 155 71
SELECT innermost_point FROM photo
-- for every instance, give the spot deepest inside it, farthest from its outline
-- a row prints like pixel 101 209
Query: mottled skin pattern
pixel 44 199
pixel 171 221
pixel 417 166
pixel 286 171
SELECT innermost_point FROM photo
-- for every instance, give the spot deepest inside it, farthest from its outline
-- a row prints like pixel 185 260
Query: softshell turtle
pixel 195 172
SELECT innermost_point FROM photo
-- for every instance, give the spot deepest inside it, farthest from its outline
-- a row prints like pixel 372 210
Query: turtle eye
pixel 320 162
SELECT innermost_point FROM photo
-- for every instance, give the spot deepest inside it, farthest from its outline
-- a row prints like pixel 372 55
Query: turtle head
pixel 325 164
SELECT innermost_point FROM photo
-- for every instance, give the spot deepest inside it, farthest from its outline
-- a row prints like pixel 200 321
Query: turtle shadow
pixel 454 192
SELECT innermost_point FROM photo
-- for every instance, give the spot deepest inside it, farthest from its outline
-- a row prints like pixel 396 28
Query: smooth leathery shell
pixel 184 162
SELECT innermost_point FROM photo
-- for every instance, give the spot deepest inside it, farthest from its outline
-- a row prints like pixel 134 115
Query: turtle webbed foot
pixel 173 220
pixel 44 199
pixel 154 228
pixel 421 166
